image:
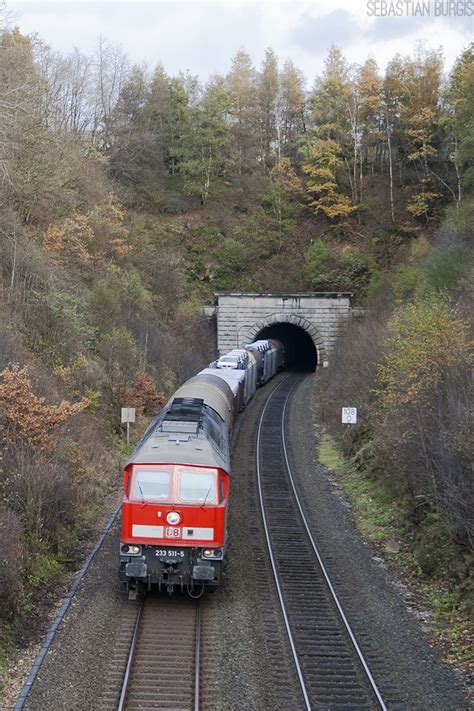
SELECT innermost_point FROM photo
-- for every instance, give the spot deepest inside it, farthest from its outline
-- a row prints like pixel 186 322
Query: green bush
pixel 408 282
pixel 58 324
pixel 442 272
pixel 317 258
pixel 105 303
pixel 445 269
pixel 325 271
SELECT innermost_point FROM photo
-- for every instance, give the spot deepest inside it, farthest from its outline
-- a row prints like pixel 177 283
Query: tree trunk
pixel 13 274
pixel 390 167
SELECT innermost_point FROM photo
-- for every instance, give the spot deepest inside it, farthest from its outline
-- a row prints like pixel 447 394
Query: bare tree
pixel 68 99
pixel 110 69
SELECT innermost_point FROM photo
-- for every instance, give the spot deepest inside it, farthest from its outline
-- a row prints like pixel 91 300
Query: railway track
pixel 331 668
pixel 163 667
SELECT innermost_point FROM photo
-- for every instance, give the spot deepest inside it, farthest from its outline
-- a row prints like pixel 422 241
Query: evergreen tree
pixel 268 105
pixel 291 109
pixel 241 85
pixel 204 146
pixel 459 122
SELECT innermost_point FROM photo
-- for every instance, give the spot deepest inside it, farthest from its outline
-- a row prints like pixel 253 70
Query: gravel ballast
pixel 387 627
pixel 246 660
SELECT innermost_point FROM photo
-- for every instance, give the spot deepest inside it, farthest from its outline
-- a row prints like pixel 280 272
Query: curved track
pixel 331 668
pixel 163 667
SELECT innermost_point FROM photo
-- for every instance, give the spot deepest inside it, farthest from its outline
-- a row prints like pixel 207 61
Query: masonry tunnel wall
pixel 308 323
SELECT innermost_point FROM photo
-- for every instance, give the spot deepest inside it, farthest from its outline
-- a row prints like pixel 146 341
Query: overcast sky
pixel 203 36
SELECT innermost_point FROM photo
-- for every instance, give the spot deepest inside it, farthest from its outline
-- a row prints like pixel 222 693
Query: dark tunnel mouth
pixel 300 351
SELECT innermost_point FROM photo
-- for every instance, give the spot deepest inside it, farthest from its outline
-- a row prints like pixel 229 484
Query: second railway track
pixel 163 667
pixel 330 666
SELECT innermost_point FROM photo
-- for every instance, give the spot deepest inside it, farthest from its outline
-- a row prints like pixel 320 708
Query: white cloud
pixel 203 36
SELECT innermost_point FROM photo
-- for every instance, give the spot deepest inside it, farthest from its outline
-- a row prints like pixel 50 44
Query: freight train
pixel 177 481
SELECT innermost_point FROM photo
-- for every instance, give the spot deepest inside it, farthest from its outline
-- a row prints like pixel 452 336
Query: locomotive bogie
pixel 171 568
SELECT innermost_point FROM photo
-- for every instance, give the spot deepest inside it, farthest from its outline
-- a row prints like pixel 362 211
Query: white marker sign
pixel 128 417
pixel 128 414
pixel 349 415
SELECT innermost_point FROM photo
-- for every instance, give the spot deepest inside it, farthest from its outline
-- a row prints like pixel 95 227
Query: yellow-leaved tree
pixel 425 339
pixel 321 167
pixel 423 409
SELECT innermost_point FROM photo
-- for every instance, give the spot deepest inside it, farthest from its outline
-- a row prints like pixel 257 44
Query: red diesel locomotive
pixel 176 483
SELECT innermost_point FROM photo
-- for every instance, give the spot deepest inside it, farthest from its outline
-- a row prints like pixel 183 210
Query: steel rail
pixel 272 559
pixel 131 655
pixel 335 598
pixel 197 659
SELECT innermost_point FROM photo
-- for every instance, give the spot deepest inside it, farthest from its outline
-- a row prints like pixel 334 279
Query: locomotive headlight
pixel 173 518
pixel 212 553
pixel 127 549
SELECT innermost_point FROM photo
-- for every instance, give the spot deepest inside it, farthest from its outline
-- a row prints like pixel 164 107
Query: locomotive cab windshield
pixel 177 485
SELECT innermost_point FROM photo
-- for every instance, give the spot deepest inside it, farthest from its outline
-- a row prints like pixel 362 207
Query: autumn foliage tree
pixel 285 192
pixel 422 408
pixel 143 395
pixel 321 168
pixel 25 416
pixel 96 238
pixel 425 339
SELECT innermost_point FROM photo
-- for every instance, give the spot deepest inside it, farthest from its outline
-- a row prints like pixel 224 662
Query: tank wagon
pixel 177 481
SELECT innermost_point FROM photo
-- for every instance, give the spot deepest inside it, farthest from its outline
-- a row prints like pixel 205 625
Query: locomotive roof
pixel 230 376
pixel 187 431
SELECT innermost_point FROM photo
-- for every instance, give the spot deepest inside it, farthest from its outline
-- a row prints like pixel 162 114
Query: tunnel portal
pixel 300 352
pixel 308 323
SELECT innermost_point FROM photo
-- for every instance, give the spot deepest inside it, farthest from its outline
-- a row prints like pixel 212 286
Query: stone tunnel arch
pixel 303 344
pixel 314 319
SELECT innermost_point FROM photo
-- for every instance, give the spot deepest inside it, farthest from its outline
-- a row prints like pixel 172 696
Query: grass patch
pixel 452 622
pixel 380 516
pixel 7 648
pixel 329 454
pixel 42 568
pixel 376 513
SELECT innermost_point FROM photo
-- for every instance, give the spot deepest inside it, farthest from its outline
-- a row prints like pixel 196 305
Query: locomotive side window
pixel 194 486
pixel 214 428
pixel 151 485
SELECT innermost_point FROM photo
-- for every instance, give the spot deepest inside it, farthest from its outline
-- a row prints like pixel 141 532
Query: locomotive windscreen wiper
pixel 141 492
pixel 205 499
